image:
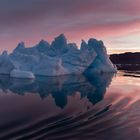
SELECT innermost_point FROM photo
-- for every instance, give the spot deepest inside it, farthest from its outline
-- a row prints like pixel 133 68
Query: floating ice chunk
pixel 22 74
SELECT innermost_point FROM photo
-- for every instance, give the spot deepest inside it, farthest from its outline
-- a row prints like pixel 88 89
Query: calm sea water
pixel 95 107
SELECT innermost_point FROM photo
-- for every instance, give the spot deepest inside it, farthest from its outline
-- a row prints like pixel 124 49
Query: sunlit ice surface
pixel 91 107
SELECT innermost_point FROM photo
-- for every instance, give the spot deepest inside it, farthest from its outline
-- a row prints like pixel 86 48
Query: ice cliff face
pixel 57 58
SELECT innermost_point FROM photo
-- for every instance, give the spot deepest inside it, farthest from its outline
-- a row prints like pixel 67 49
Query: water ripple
pixel 86 116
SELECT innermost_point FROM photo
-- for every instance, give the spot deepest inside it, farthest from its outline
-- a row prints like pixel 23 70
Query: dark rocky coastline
pixel 126 61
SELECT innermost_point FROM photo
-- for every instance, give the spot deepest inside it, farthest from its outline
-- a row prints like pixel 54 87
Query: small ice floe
pixel 22 74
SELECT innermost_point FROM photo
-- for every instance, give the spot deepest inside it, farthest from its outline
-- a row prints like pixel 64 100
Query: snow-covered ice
pixel 57 58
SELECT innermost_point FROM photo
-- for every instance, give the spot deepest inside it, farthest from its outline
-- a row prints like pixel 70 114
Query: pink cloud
pixel 32 20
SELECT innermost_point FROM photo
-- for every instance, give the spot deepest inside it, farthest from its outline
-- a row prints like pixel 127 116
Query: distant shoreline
pixel 126 61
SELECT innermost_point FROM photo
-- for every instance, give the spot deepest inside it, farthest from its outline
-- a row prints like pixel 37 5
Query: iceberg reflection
pixel 92 87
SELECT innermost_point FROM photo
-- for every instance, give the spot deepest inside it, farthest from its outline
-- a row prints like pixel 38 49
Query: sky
pixel 116 22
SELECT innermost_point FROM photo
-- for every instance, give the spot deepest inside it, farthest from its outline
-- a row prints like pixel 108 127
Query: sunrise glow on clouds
pixel 116 22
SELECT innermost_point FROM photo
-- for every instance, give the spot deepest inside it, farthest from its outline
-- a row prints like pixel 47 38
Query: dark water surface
pixel 97 107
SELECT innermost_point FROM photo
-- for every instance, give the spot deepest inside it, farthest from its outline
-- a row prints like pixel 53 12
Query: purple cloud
pixel 31 20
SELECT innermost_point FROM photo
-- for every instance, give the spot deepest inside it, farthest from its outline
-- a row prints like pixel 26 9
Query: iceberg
pixel 57 58
pixel 6 64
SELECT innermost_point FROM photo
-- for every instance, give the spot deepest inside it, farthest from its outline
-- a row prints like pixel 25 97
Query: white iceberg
pixel 57 58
